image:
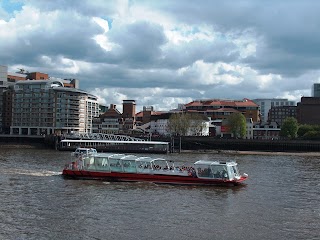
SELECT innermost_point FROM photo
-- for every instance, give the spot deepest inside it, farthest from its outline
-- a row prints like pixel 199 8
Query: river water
pixel 281 200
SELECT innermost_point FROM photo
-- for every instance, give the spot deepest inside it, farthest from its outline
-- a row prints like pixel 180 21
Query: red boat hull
pixel 154 178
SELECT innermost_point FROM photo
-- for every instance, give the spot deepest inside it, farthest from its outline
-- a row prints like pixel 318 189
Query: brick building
pixel 308 111
pixel 108 122
pixel 279 113
pixel 221 109
pixel 128 116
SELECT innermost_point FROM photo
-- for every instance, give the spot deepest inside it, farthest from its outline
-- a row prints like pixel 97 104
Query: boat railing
pixel 122 163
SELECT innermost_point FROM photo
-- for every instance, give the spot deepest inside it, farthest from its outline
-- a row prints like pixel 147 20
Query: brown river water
pixel 280 200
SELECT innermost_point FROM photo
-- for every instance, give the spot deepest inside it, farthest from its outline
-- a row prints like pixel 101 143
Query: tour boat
pixel 130 168
pixel 84 151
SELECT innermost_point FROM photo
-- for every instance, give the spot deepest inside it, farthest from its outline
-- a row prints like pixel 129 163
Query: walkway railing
pixel 101 136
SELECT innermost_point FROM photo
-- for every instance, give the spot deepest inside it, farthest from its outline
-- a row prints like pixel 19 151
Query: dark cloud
pixel 225 49
pixel 289 28
pixel 139 44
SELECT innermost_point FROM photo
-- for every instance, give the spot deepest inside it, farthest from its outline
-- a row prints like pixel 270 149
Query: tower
pixel 129 109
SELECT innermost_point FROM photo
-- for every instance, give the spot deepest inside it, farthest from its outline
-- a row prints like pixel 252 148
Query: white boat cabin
pixel 110 162
pixel 84 152
pixel 217 170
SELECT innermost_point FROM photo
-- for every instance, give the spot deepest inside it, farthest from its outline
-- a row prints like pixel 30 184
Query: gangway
pixel 101 136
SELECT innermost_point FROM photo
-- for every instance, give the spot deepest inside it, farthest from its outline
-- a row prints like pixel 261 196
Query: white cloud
pixel 168 52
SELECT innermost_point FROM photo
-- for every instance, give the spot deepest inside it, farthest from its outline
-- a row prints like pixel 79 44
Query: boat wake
pixel 39 173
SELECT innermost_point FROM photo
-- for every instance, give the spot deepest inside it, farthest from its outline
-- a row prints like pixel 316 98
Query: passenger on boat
pixel 79 163
pixel 192 172
pixel 74 165
pixel 217 174
pixel 224 174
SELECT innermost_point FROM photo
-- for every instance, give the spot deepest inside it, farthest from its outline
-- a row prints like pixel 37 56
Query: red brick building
pixel 221 109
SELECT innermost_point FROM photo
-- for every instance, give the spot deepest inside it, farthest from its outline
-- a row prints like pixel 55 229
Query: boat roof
pixel 81 148
pixel 124 157
pixel 129 157
pixel 111 141
pixel 208 162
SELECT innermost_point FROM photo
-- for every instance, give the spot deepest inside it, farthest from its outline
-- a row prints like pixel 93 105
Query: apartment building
pixel 265 105
pixel 222 109
pixel 47 107
pixel 3 87
pixel 266 131
pixel 279 114
pixel 108 122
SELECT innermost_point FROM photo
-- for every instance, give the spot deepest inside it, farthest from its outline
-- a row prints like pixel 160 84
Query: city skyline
pixel 167 53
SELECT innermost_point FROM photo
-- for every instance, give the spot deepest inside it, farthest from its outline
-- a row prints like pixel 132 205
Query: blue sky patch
pixel 11 5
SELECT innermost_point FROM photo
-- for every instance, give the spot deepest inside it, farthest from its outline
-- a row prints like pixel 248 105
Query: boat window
pixel 101 164
pixel 143 166
pixel 212 171
pixel 219 171
pixel 89 163
pixel 204 171
pixel 92 151
pixel 129 166
pixel 160 164
pixel 115 165
pixel 235 171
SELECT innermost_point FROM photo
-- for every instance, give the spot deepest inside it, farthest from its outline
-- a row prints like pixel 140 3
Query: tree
pixel 312 135
pixel 197 124
pixel 303 129
pixel 289 128
pixel 178 124
pixel 237 125
pixel 310 132
pixel 183 124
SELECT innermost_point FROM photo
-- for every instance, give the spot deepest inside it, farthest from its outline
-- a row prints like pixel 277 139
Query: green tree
pixel 289 128
pixel 312 135
pixel 237 125
pixel 303 129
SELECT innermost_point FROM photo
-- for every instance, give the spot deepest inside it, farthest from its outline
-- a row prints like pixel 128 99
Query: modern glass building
pixel 266 104
pixel 47 107
pixel 315 90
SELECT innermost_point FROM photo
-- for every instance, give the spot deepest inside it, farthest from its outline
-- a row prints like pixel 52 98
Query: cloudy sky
pixel 162 53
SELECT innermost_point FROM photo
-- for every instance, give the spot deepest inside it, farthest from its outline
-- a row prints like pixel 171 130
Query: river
pixel 280 200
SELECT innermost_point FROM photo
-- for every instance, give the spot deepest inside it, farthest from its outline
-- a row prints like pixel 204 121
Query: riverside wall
pixel 210 143
pixel 185 143
pixel 22 141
